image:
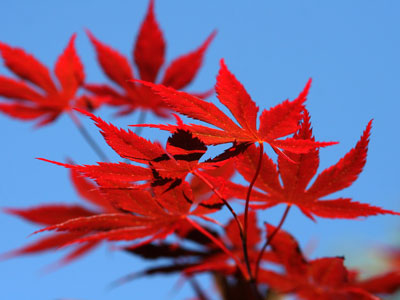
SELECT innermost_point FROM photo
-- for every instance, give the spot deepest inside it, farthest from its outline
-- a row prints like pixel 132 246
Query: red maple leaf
pixel 151 201
pixel 163 170
pixel 149 57
pixel 51 214
pixel 163 167
pixel 275 123
pixel 324 278
pixel 296 174
pixel 36 95
pixel 121 214
pixel 141 215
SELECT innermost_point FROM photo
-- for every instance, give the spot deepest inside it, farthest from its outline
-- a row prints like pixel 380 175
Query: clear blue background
pixel 350 49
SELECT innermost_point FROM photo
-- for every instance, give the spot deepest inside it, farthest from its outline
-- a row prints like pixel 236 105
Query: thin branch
pixel 216 192
pixel 241 232
pixel 141 120
pixel 270 238
pixel 197 288
pixel 246 210
pixel 85 134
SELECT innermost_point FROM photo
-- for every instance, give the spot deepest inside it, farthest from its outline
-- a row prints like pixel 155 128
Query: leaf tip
pixel 151 6
pixel 91 37
pixel 209 39
pixel 222 64
pixel 9 255
pixel 309 82
pixel 73 37
pixel 369 125
pixel 54 162
pixel 303 95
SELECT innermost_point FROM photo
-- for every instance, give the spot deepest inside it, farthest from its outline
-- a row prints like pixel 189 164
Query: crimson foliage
pixel 170 190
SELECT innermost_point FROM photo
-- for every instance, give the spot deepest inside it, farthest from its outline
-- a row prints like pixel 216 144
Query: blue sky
pixel 350 49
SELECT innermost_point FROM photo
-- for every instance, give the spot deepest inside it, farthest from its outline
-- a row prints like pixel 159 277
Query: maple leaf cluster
pixel 35 95
pixel 162 200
